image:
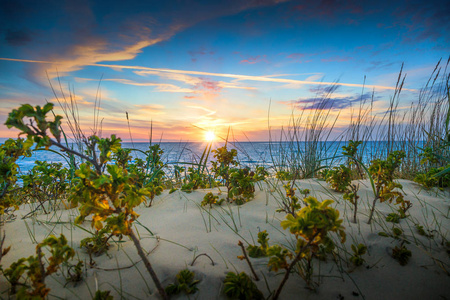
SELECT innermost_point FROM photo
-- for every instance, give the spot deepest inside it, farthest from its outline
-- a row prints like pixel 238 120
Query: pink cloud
pixel 337 58
pixel 254 59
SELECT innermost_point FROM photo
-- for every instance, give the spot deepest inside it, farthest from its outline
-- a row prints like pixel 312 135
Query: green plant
pixel 97 244
pixel 261 250
pixel 358 252
pixel 102 188
pixel 351 152
pixel 46 182
pixel 222 167
pixel 10 152
pixel 184 283
pixel 291 203
pixel 422 231
pixel 429 178
pixel 393 217
pixel 284 175
pixel 211 199
pixel 103 295
pixel 311 226
pixel 351 195
pixel 401 254
pixel 240 286
pixel 34 269
pixel 194 180
pixel 382 175
pixel 241 186
pixel 75 272
pixel 339 178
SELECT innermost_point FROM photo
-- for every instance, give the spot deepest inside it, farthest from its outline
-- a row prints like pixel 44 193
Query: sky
pixel 183 68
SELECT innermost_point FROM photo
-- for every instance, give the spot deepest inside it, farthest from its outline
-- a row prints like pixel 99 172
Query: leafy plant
pixel 241 187
pixel 351 195
pixel 46 182
pixel 210 199
pixel 97 244
pixel 103 295
pixel 291 203
pixel 311 226
pixel 358 252
pixel 34 269
pixel 393 217
pixel 75 272
pixel 240 286
pixel 339 178
pixel 429 178
pixel 351 151
pixel 10 152
pixel 184 283
pixel 401 254
pixel 261 250
pixel 194 180
pixel 382 174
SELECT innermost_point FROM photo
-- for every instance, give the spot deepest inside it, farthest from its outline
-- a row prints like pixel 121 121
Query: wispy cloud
pixel 224 75
pixel 254 59
pixel 333 103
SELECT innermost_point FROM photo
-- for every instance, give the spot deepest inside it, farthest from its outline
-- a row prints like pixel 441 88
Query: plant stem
pixel 291 266
pixel 373 209
pixel 248 261
pixel 147 264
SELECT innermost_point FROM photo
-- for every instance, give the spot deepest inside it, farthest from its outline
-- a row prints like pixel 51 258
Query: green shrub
pixel 339 178
pixel 10 152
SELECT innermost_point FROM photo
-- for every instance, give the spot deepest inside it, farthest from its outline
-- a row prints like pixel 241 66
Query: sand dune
pixel 181 229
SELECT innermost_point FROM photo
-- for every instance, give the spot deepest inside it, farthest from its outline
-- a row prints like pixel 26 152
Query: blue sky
pixel 214 64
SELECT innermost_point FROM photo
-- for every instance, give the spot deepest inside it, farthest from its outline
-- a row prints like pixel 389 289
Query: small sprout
pixel 103 295
pixel 210 199
pixel 401 254
pixel 393 218
pixel 240 286
pixel 358 252
pixel 184 283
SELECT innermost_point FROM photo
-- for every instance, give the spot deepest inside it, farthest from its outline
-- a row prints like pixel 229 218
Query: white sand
pixel 185 230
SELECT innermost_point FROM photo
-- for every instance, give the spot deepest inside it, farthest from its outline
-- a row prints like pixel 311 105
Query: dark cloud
pixel 17 37
pixel 322 91
pixel 325 103
pixel 378 64
pixel 425 20
pixel 200 52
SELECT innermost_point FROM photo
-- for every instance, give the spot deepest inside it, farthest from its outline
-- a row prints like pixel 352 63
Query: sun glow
pixel 210 136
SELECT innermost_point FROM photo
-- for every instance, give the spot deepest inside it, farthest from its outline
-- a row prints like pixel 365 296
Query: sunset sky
pixel 214 64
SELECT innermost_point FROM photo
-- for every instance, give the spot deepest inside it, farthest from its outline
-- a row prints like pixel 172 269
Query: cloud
pixel 424 20
pixel 83 32
pixel 254 59
pixel 263 78
pixel 326 103
pixel 162 87
pixel 200 52
pixel 337 58
pixel 17 37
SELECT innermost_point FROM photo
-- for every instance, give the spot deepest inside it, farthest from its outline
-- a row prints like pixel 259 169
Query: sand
pixel 181 229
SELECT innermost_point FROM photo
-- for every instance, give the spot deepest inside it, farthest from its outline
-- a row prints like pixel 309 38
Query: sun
pixel 210 136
